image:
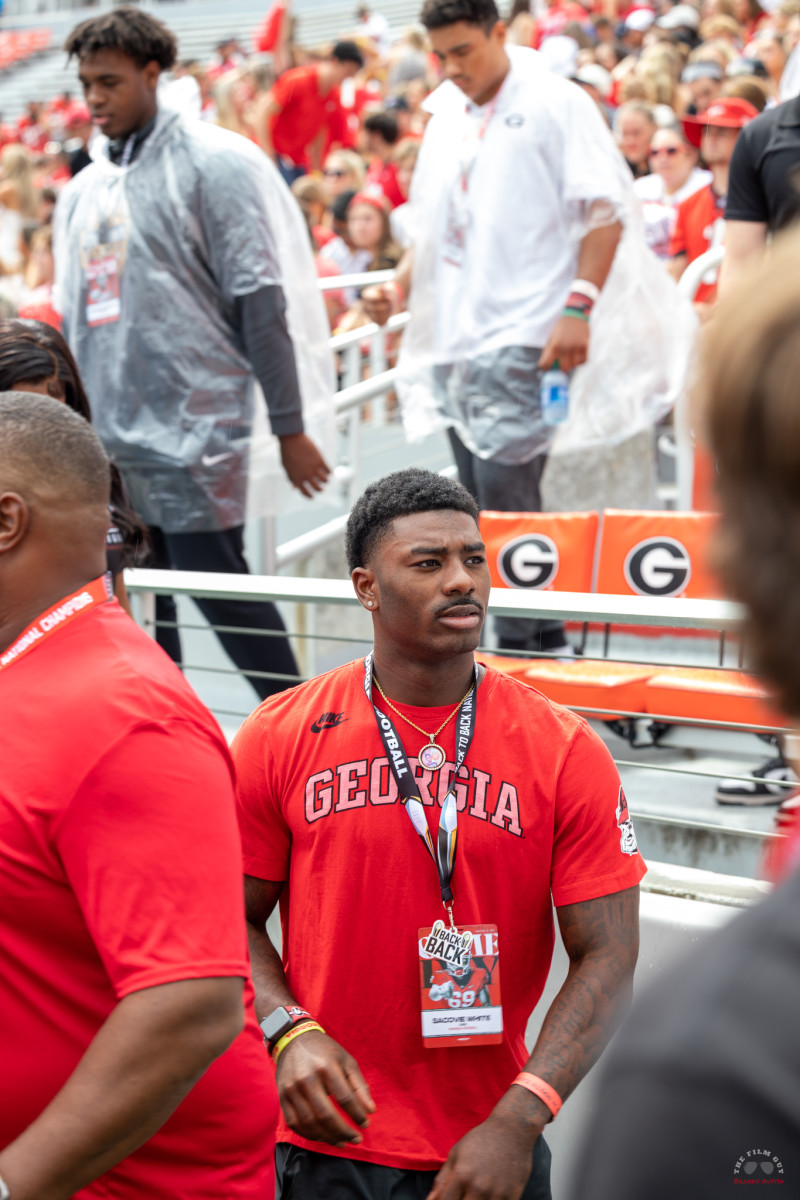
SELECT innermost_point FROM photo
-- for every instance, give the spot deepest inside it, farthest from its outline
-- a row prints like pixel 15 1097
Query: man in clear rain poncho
pixel 523 223
pixel 184 274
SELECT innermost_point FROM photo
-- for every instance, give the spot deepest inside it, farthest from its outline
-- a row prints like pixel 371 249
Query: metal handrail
pixel 567 606
pixel 692 277
pixel 353 337
pixel 332 283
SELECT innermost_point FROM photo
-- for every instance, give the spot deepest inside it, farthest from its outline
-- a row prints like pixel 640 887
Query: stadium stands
pixel 198 24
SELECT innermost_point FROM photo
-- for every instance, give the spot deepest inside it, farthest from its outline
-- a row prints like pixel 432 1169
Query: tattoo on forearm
pixel 602 940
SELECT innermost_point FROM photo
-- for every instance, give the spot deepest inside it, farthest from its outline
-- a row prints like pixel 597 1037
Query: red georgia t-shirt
pixel 538 799
pixel 120 869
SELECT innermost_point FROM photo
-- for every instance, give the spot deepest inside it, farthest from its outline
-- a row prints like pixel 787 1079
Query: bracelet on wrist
pixel 576 312
pixel 541 1089
pixel 586 288
pixel 307 1027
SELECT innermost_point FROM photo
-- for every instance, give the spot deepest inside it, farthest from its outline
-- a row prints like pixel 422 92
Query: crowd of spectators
pixel 343 123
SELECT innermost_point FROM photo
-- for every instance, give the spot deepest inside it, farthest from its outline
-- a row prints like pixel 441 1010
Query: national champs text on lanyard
pixel 460 1001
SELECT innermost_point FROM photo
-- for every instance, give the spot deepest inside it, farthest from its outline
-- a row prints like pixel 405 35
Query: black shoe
pixel 766 786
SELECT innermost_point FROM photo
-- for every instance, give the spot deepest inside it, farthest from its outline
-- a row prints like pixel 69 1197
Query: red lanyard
pixel 99 591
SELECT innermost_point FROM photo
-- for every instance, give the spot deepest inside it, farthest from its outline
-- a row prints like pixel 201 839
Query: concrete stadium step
pixel 198 24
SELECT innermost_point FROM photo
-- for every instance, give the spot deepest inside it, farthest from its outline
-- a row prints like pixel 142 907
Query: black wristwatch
pixel 280 1021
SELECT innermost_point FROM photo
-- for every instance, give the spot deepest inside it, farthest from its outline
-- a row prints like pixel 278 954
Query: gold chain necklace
pixel 432 756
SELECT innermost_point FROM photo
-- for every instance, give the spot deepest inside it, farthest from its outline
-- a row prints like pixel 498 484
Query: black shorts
pixel 307 1175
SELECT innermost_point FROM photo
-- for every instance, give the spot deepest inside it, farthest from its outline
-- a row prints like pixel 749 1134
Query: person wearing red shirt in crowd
pixel 31 130
pixel 130 1065
pixel 701 217
pixel 381 134
pixel 273 35
pixel 328 777
pixel 228 57
pixel 556 17
pixel 305 118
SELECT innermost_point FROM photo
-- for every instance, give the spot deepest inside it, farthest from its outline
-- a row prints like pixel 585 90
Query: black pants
pixel 223 551
pixel 504 487
pixel 306 1175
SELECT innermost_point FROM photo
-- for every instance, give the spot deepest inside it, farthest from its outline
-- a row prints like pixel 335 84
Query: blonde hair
pixel 17 170
pixel 352 163
pixel 720 32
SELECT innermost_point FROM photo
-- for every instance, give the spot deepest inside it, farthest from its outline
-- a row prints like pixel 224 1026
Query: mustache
pixel 468 603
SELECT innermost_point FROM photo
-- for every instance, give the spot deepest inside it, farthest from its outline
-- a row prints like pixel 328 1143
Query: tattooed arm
pixel 601 937
pixel 314 1067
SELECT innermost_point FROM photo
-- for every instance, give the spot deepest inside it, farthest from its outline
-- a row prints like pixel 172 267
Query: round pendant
pixel 432 757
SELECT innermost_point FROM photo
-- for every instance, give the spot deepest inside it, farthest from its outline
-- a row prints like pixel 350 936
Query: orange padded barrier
pixel 590 683
pixel 542 551
pixel 704 498
pixel 702 694
pixel 656 554
pixel 509 665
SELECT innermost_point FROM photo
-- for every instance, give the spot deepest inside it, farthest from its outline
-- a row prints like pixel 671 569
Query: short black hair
pixel 384 124
pixel 341 204
pixel 129 30
pixel 45 445
pixel 347 52
pixel 436 14
pixel 399 495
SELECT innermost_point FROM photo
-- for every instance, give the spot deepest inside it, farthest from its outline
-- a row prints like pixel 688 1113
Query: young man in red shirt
pixel 130 1065
pixel 701 218
pixel 413 1014
pixel 305 118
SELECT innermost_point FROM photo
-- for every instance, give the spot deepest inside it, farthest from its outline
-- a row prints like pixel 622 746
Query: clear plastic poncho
pixel 530 202
pixel 150 260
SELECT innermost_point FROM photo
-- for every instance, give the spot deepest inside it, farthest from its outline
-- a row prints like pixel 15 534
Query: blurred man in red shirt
pixel 701 217
pixel 132 1064
pixel 305 107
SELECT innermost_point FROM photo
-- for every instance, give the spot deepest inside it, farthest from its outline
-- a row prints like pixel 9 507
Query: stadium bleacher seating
pixel 199 25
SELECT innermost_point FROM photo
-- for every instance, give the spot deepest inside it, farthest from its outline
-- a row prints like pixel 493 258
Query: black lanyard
pixel 444 856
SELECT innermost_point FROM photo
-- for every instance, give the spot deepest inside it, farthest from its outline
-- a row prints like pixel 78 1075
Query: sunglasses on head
pixel 334 174
pixel 670 150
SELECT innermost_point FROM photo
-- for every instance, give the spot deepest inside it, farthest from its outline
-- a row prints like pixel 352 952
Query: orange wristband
pixel 542 1089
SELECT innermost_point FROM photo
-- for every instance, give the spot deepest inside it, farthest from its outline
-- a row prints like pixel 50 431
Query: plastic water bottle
pixel 555 396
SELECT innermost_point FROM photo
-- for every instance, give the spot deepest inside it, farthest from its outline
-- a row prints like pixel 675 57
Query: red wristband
pixel 542 1089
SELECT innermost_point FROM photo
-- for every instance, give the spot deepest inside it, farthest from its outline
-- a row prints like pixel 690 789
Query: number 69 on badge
pixel 459 979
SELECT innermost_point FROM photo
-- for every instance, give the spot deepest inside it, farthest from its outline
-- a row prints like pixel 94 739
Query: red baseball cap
pixel 729 112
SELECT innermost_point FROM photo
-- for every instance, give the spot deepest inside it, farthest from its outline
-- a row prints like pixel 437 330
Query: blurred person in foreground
pixel 184 274
pixel 700 223
pixel 705 1077
pixel 327 777
pixel 495 303
pixel 132 1065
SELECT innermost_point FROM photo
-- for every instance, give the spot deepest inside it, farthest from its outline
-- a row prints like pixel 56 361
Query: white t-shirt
pixel 514 181
pixel 660 212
